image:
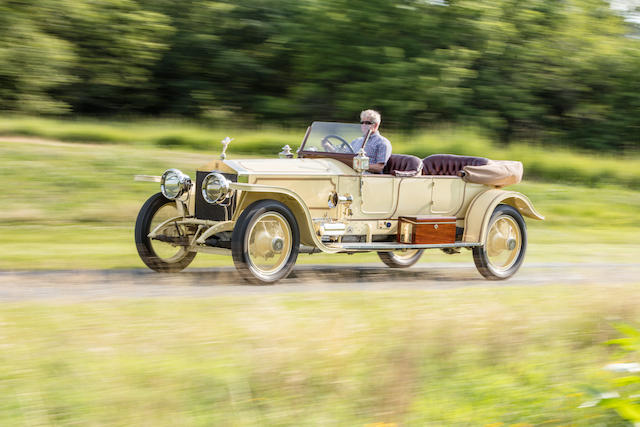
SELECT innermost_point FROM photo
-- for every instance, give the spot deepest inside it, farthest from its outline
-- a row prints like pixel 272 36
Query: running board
pixel 389 246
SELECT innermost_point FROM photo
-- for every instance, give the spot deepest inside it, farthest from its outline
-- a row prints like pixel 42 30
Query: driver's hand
pixel 328 146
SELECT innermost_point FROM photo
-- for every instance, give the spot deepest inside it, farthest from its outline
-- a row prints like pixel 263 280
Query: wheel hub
pixel 277 244
pixel 503 243
pixel 269 243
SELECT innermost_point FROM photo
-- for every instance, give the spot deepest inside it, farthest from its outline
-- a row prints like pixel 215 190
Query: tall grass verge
pixel 473 356
pixel 74 206
pixel 545 163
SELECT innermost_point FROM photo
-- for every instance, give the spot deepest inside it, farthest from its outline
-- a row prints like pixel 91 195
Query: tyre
pixel 402 258
pixel 505 244
pixel 161 256
pixel 265 242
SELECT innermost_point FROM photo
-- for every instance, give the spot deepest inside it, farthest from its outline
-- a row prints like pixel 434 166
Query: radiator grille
pixel 210 211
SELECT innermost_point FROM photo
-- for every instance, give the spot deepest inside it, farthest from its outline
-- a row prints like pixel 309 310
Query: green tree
pixel 32 62
pixel 117 43
pixel 226 57
pixel 546 70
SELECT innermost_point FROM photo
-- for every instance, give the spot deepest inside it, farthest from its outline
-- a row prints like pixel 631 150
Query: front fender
pixel 254 192
pixel 481 208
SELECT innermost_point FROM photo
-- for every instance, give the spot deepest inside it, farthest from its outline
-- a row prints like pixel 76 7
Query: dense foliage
pixel 567 72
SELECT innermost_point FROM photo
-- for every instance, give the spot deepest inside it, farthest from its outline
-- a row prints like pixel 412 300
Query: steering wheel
pixel 345 147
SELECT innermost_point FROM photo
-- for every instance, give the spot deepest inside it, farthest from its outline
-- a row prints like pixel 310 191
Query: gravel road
pixel 79 285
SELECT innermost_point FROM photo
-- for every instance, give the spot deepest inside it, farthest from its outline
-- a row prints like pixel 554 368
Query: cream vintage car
pixel 264 212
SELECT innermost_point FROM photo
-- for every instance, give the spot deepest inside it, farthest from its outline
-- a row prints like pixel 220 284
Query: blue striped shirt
pixel 378 148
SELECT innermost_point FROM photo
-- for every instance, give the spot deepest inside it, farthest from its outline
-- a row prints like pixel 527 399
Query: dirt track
pixel 195 283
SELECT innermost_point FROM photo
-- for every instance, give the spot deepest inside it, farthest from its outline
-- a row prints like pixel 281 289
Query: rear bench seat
pixel 449 164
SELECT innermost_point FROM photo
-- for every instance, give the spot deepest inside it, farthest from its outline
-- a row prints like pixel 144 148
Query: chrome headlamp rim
pixel 184 184
pixel 219 194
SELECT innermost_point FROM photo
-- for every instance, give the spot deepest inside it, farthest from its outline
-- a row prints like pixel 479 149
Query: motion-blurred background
pixel 93 92
pixel 563 72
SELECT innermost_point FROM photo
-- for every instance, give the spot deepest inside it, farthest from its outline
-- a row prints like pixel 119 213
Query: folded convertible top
pixel 499 173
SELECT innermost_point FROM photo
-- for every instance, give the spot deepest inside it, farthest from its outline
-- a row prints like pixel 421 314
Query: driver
pixel 378 148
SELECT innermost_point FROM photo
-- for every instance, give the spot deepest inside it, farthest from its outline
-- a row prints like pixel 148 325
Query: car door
pixel 414 196
pixel 447 195
pixel 379 195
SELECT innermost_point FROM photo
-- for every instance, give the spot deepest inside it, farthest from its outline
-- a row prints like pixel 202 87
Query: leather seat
pixel 403 165
pixel 449 164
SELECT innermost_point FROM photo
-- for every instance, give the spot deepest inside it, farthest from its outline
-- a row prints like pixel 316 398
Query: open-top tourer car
pixel 263 212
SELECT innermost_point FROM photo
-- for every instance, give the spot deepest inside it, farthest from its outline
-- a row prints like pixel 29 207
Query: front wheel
pixel 505 244
pixel 401 258
pixel 162 255
pixel 265 242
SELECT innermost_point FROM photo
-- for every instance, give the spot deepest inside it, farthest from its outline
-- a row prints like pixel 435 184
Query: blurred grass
pixel 90 246
pixel 547 163
pixel 169 133
pixel 472 356
pixel 469 356
pixel 76 204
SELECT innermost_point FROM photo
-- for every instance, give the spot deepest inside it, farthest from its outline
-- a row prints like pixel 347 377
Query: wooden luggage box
pixel 424 230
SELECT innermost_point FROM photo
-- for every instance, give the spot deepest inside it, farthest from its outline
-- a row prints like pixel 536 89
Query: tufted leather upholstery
pixel 403 165
pixel 449 164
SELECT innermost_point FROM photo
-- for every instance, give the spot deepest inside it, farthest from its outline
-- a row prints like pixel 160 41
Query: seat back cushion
pixel 449 164
pixel 403 165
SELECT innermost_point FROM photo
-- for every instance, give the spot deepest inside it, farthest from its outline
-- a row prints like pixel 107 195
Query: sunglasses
pixel 366 122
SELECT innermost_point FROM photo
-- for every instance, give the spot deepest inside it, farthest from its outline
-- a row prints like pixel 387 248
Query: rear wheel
pixel 265 242
pixel 402 258
pixel 505 244
pixel 162 256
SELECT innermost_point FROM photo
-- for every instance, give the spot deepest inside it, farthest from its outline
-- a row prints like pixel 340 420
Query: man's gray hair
pixel 370 115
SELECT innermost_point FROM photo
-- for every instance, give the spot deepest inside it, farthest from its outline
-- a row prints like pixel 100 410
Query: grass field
pixel 488 356
pixel 472 356
pixel 76 204
pixel 546 163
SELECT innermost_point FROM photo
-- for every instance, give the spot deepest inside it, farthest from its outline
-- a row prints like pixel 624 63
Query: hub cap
pixel 269 243
pixel 504 243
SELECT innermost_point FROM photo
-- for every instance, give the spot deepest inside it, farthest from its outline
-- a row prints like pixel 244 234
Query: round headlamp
pixel 215 188
pixel 174 184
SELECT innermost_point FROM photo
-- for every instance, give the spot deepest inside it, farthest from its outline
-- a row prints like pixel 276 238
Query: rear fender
pixel 481 208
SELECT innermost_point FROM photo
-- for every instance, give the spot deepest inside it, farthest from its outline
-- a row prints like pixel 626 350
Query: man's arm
pixel 380 157
pixel 376 167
